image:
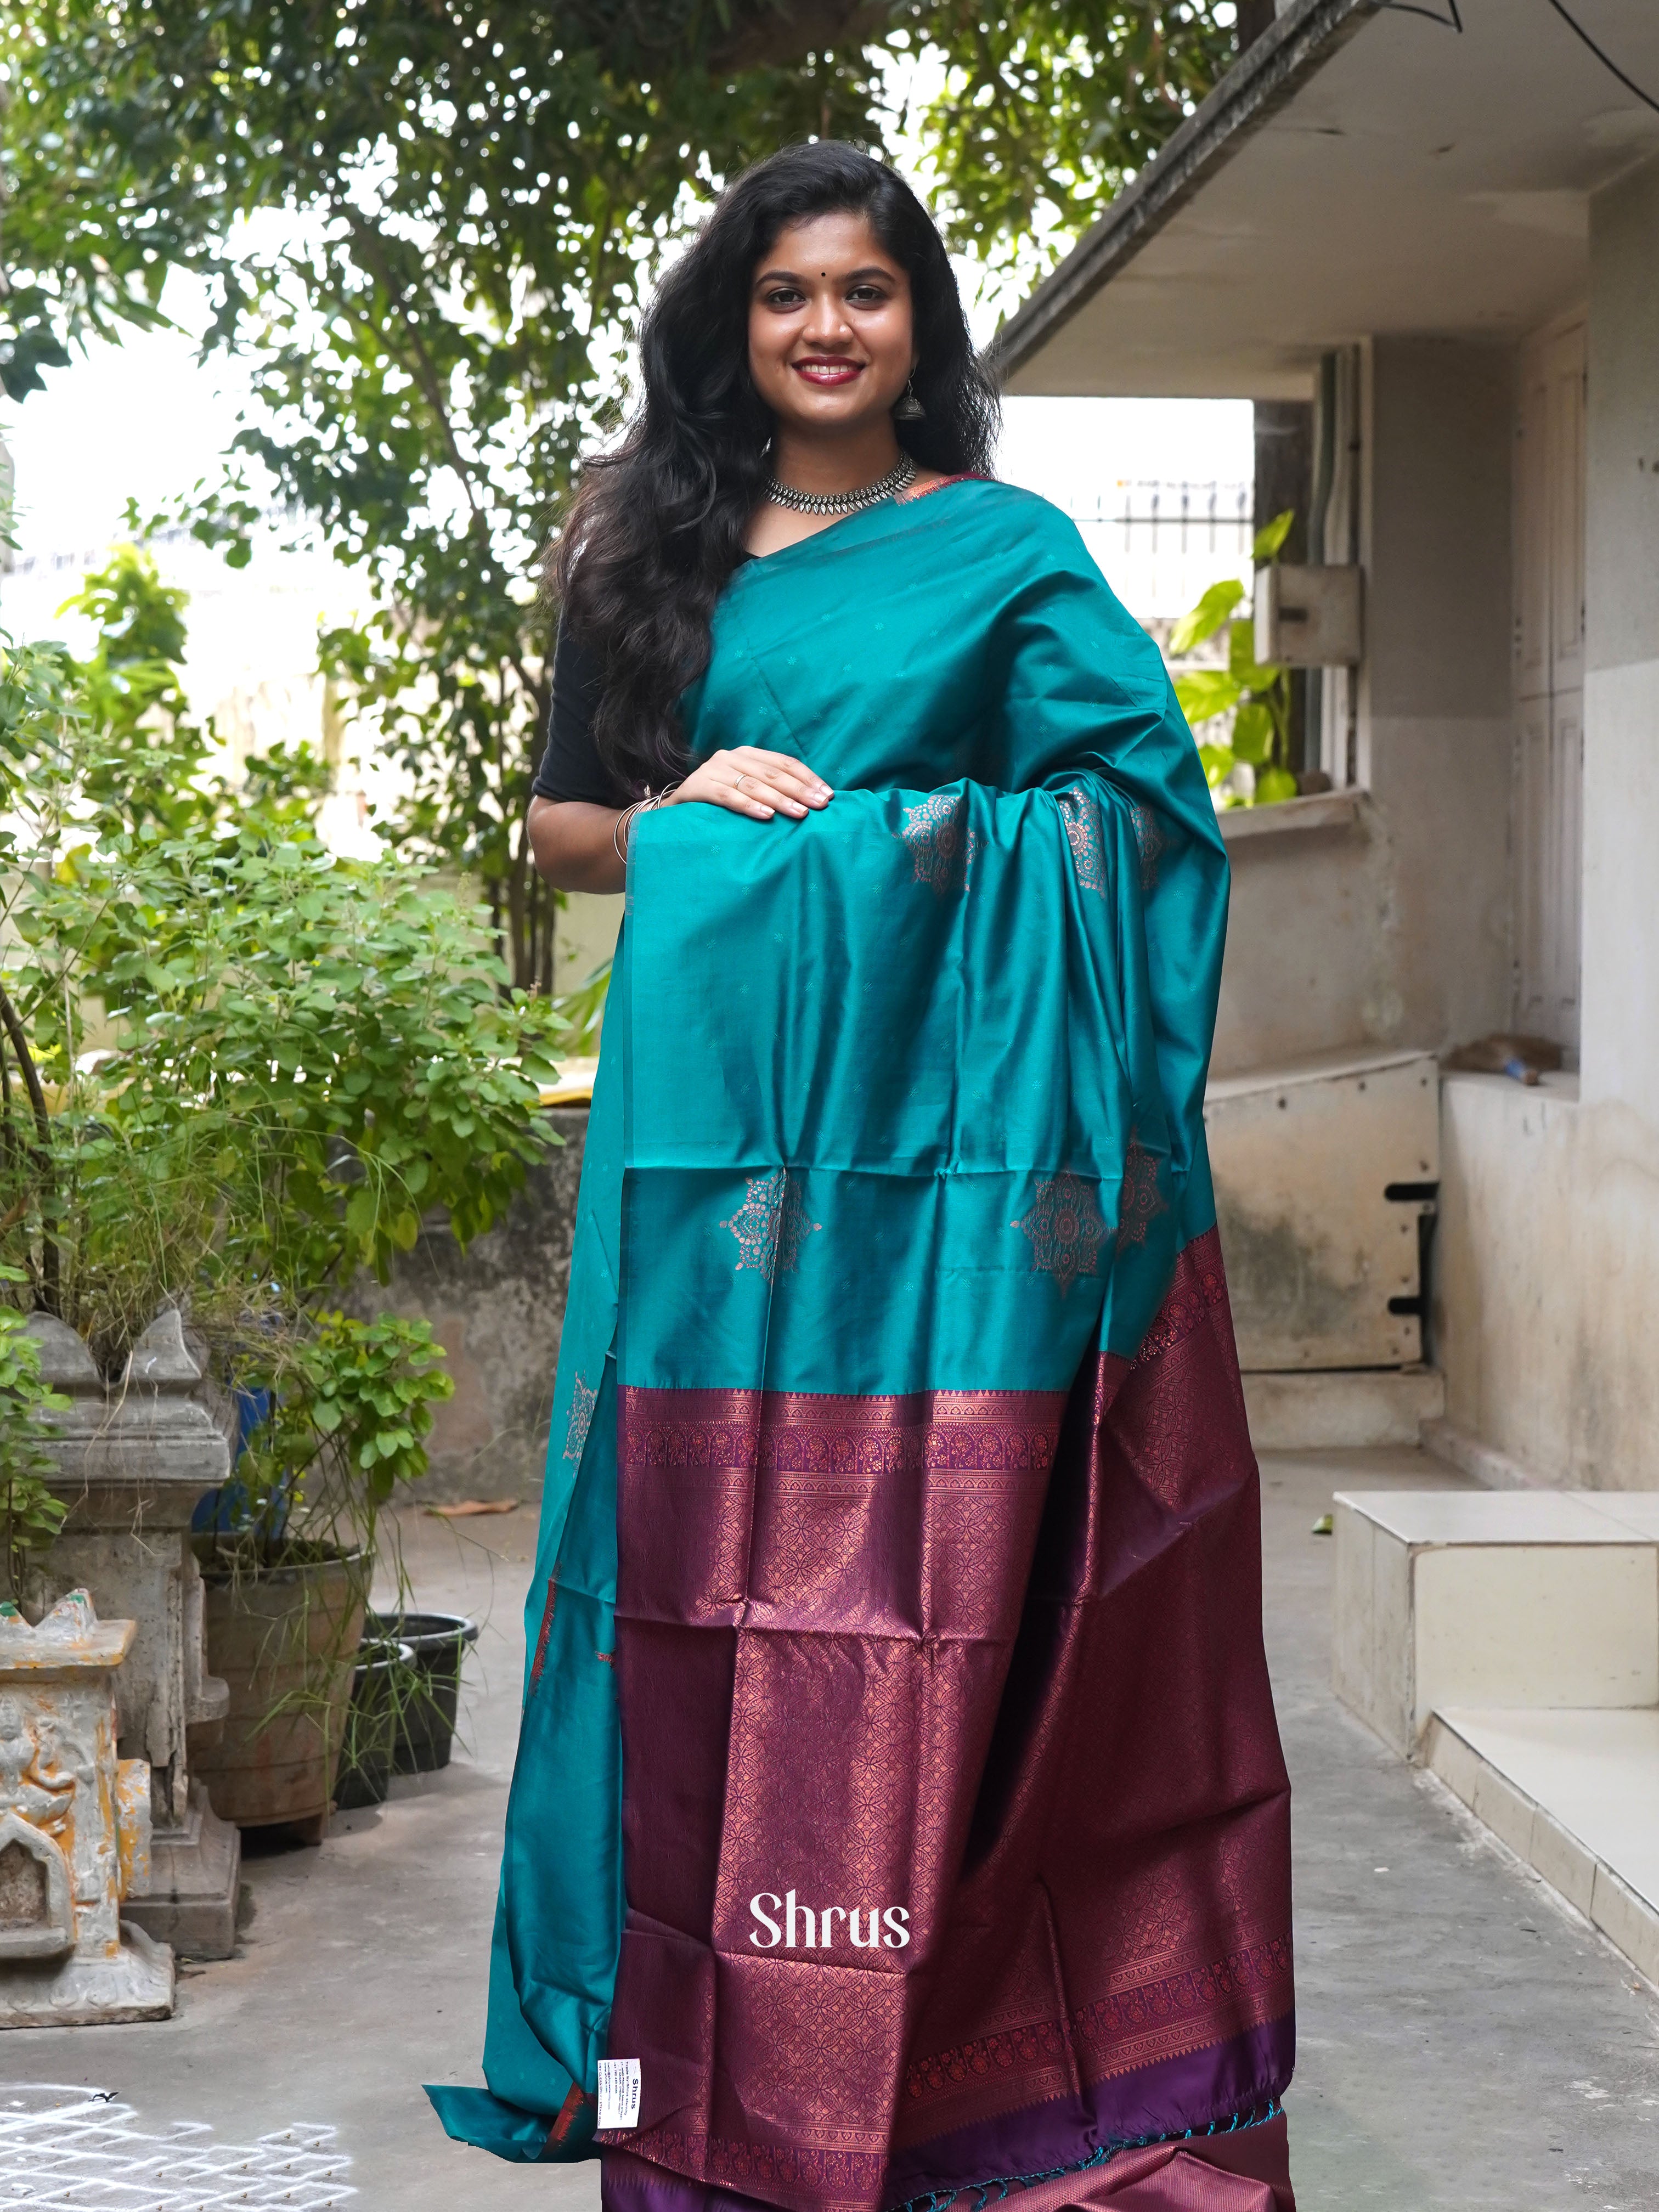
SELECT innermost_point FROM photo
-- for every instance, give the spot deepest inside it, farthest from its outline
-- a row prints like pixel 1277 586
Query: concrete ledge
pixel 1541 1599
pixel 1481 1463
pixel 1342 1408
pixel 1320 810
pixel 1576 1795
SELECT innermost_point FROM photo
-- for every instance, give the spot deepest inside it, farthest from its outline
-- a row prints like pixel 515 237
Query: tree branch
pixel 784 32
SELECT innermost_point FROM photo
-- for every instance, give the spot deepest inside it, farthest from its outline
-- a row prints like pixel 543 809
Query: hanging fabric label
pixel 619 2093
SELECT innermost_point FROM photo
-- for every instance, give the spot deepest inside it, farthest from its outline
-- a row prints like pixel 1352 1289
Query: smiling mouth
pixel 828 372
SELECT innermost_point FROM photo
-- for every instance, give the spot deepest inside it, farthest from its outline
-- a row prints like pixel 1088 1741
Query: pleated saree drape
pixel 899 1784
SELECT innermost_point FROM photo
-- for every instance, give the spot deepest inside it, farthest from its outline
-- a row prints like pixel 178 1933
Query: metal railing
pixel 1161 542
pixel 1187 515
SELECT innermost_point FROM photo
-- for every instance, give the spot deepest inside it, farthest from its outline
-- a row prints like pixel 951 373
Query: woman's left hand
pixel 747 780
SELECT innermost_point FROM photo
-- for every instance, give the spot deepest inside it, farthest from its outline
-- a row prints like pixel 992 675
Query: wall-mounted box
pixel 1308 617
pixel 1322 1172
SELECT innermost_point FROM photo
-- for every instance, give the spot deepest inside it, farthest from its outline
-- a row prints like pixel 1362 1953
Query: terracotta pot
pixel 285 1637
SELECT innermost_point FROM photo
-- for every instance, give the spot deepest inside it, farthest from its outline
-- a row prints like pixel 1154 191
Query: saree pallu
pixel 899 1784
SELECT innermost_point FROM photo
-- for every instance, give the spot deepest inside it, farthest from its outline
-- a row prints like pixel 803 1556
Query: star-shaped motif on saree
pixel 771 1225
pixel 1066 1229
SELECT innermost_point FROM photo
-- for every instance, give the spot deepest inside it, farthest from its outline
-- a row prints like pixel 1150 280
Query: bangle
pixel 618 844
pixel 619 841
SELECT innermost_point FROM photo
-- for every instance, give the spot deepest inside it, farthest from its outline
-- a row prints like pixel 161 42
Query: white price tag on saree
pixel 619 2093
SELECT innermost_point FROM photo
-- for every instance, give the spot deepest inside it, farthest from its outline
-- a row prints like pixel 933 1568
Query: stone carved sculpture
pixel 132 1462
pixel 74 1829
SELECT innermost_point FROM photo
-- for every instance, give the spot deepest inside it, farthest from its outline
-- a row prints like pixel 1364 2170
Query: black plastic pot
pixel 426 1724
pixel 385 1682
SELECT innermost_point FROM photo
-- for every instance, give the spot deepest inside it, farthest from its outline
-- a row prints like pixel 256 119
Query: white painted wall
pixel 1546 1278
pixel 1549 1275
pixel 1622 706
pixel 1397 931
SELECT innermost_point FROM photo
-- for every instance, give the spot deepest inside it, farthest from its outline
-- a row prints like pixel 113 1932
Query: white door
pixel 1549 625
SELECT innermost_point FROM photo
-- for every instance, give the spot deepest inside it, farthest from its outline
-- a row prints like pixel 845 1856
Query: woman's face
pixel 830 340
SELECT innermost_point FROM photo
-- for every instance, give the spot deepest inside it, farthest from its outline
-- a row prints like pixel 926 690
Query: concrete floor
pixel 1467 2041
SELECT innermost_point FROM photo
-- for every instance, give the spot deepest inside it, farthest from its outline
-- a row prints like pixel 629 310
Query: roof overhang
pixel 1361 171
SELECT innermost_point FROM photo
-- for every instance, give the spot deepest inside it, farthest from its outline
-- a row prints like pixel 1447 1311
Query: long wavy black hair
pixel 657 526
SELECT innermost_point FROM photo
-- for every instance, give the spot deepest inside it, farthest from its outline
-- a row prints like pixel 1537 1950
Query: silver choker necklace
pixel 843 503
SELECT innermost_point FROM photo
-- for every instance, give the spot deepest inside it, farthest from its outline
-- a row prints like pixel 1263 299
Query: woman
pixel 898 1786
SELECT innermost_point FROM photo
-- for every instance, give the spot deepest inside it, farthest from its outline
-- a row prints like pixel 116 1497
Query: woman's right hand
pixel 747 780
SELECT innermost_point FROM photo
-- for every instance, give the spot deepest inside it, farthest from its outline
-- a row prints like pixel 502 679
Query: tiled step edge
pixel 1535 1836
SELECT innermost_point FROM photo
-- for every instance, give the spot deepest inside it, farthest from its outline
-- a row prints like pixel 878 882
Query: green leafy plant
pixel 268 1062
pixel 350 1406
pixel 1256 695
pixel 30 1514
pixel 242 1069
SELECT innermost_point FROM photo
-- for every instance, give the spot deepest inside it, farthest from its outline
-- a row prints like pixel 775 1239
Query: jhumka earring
pixel 910 409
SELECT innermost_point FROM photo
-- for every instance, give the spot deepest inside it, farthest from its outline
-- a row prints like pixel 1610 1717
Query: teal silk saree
pixel 898 1781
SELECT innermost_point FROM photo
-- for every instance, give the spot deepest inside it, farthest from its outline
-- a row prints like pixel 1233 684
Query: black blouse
pixel 571 767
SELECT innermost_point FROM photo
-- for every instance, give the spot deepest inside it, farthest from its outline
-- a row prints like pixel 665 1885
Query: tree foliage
pixel 429 228
pixel 1046 111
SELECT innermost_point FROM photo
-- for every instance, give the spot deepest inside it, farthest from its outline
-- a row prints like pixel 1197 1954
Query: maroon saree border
pixel 802 1432
pixel 1029 1623
pixel 1054 2156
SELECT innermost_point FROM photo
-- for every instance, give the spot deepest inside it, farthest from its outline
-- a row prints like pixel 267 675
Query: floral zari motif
pixel 1149 842
pixel 771 1225
pixel 1065 1230
pixel 582 1402
pixel 936 839
pixel 1140 1201
pixel 1079 810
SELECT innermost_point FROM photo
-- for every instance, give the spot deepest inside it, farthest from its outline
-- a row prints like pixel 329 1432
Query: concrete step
pixel 1342 1408
pixel 1480 1599
pixel 1573 1792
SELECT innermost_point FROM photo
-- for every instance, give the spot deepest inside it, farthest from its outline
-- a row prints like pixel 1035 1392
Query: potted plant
pixel 263 1063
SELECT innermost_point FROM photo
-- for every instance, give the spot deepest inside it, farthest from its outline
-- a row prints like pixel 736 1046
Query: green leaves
pixel 1206 692
pixel 30 1515
pixel 353 1396
pixel 1253 733
pixel 263 1063
pixel 1207 616
pixel 1219 762
pixel 1254 694
pixel 1269 539
pixel 1047 110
